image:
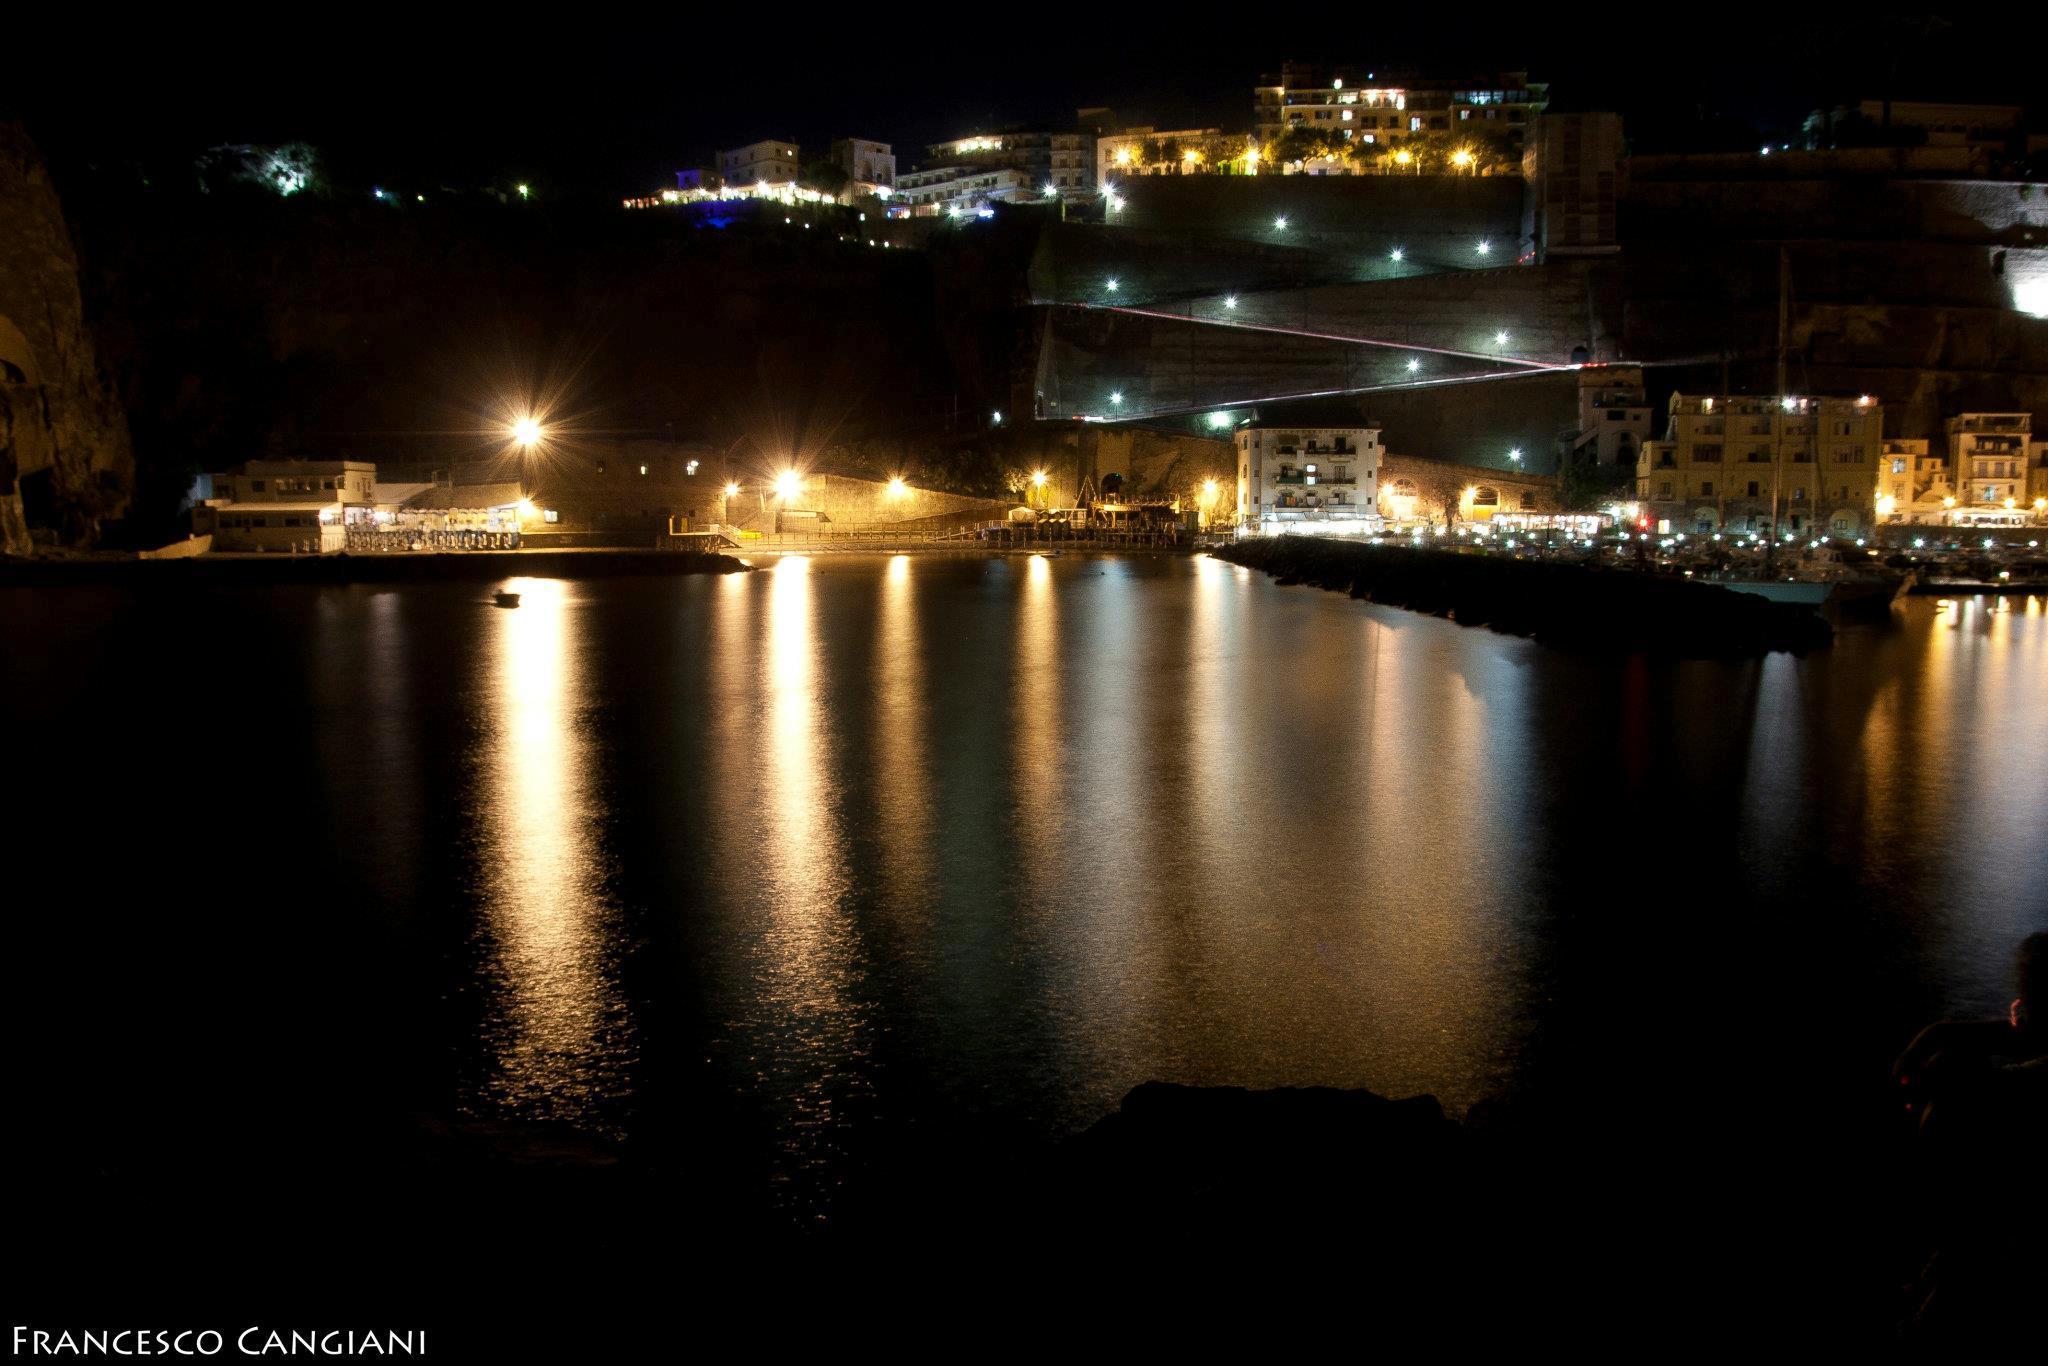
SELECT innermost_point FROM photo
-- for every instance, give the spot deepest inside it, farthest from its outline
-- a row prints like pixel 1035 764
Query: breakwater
pixel 227 571
pixel 1566 604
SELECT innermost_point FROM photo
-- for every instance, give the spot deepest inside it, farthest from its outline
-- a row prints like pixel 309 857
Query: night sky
pixel 581 101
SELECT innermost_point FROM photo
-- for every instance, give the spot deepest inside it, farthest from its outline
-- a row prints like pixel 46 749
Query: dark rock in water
pixel 1184 1156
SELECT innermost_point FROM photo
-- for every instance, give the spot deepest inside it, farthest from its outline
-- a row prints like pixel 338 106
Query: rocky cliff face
pixel 65 459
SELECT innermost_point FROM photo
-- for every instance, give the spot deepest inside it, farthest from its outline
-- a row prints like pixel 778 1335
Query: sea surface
pixel 785 866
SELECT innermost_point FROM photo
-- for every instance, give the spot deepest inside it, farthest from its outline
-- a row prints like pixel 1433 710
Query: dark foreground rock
pixel 1565 604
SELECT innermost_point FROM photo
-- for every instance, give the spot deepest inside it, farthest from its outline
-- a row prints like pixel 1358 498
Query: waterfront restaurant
pixel 295 506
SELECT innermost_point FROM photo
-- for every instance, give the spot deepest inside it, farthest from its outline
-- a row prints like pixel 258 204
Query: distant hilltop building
pixel 1061 162
pixel 767 162
pixel 1369 107
pixel 870 166
pixel 771 171
pixel 956 191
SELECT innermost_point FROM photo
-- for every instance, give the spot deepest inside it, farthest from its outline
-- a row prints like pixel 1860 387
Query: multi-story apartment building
pixel 870 166
pixel 1738 463
pixel 768 162
pixel 1614 419
pixel 2037 479
pixel 1063 161
pixel 1912 483
pixel 1988 460
pixel 1300 478
pixel 959 189
pixel 1378 107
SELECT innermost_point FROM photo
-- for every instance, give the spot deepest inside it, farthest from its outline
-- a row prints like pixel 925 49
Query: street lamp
pixel 527 431
pixel 788 485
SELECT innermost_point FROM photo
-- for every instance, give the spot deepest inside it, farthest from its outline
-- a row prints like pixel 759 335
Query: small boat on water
pixel 502 598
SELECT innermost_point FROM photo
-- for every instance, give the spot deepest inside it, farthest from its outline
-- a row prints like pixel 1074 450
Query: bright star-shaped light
pixel 1280 223
pixel 526 431
pixel 1413 365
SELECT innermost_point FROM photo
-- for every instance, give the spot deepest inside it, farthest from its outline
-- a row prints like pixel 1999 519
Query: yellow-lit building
pixel 1725 460
pixel 1988 454
pixel 1293 477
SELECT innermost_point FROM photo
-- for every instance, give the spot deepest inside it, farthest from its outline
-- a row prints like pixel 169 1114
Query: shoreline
pixel 227 571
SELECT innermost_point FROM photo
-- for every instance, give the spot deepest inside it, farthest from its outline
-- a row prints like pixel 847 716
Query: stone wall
pixel 1435 220
pixel 1440 485
pixel 65 460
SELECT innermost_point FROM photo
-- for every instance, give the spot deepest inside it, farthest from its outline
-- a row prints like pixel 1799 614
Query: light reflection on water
pixel 1020 834
pixel 556 1024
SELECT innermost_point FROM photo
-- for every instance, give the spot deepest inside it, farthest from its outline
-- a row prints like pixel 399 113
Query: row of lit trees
pixel 1422 153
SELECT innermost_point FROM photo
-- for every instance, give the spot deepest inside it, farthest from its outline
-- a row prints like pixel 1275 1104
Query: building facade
pixel 957 190
pixel 768 162
pixel 1379 107
pixel 1307 479
pixel 869 166
pixel 1572 166
pixel 1614 418
pixel 303 506
pixel 1988 463
pixel 1063 161
pixel 1734 463
pixel 1420 492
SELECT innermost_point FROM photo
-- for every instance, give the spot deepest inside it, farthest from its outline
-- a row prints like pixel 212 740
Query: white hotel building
pixel 1320 480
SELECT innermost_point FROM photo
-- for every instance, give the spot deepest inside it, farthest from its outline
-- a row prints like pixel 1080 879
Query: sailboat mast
pixel 1778 446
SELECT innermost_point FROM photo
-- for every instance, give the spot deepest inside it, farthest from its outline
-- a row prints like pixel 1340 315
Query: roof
pixel 277 507
pixel 467 496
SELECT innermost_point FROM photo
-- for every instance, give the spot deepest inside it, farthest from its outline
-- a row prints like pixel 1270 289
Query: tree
pixel 826 177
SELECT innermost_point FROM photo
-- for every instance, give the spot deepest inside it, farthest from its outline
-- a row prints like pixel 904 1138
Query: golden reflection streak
pixel 1215 698
pixel 556 1029
pixel 1036 727
pixel 902 763
pixel 809 947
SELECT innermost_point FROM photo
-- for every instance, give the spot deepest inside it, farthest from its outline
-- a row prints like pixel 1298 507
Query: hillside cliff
pixel 65 460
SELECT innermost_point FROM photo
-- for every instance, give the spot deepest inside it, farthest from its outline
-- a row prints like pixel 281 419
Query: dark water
pixel 792 863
